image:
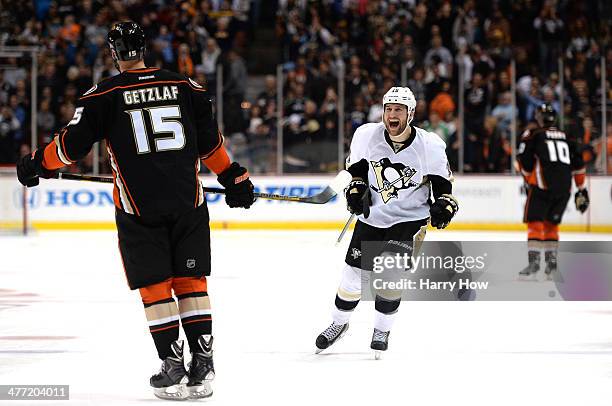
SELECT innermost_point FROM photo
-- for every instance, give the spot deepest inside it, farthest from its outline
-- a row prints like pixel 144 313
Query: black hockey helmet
pixel 545 115
pixel 126 41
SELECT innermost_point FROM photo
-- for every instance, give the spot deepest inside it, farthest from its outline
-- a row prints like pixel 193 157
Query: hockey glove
pixel 358 199
pixel 443 210
pixel 581 199
pixel 238 186
pixel 30 168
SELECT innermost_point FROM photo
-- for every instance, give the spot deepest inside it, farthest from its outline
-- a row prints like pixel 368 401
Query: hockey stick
pixel 345 228
pixel 338 183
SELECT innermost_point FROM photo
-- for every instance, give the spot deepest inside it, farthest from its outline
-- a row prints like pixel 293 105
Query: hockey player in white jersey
pixel 395 168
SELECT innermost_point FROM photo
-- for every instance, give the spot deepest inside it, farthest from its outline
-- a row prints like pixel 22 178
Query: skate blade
pixel 320 350
pixel 378 354
pixel 174 392
pixel 200 391
pixel 528 278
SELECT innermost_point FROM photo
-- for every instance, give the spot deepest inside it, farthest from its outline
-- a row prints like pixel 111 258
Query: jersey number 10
pixel 161 122
pixel 558 151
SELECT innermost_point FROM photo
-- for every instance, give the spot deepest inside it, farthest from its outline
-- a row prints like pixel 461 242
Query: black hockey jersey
pixel 157 125
pixel 548 159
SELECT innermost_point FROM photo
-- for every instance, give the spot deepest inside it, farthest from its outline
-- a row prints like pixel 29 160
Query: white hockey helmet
pixel 401 95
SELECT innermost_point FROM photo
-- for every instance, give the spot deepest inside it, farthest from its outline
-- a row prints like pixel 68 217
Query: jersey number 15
pixel 162 121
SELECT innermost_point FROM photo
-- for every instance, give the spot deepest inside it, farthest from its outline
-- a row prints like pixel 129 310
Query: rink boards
pixel 486 203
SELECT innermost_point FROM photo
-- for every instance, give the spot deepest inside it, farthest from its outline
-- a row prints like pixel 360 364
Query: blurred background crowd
pixel 332 61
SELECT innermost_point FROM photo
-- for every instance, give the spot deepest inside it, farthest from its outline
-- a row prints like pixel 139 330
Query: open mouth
pixel 394 124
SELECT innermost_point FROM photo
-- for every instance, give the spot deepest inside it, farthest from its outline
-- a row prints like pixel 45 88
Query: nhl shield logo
pixel 190 263
pixel 391 178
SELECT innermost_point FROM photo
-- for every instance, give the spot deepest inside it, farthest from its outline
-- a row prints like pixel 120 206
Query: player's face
pixel 395 118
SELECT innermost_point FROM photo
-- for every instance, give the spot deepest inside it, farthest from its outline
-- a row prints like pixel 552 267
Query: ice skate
pixel 201 369
pixel 380 342
pixel 529 272
pixel 551 265
pixel 330 335
pixel 170 382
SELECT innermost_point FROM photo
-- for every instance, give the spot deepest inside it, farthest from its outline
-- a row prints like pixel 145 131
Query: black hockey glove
pixel 238 186
pixel 443 210
pixel 581 199
pixel 358 199
pixel 30 168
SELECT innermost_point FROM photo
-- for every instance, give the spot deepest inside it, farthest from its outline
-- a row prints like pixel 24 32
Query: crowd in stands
pixel 437 44
pixel 435 47
pixel 190 37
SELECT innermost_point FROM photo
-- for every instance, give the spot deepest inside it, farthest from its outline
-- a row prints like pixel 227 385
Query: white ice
pixel 67 317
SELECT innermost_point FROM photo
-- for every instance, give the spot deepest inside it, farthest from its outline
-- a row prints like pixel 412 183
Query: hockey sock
pixel 348 295
pixel 551 243
pixel 194 306
pixel 162 316
pixel 535 235
pixel 385 313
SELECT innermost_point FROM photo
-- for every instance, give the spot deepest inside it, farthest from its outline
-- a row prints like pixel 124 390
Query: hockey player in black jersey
pixel 158 127
pixel 548 159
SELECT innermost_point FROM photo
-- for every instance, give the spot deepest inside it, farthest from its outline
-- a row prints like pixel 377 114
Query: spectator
pixel 476 101
pixel 185 63
pixel 442 103
pixel 436 125
pixel 442 53
pixel 210 56
pixel 45 120
pixel 19 113
pixel 550 29
pixel 504 113
pixel 9 143
pixel 234 90
pixel 268 95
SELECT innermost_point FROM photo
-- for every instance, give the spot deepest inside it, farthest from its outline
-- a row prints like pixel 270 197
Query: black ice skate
pixel 550 257
pixel 201 370
pixel 331 334
pixel 380 342
pixel 530 271
pixel 170 382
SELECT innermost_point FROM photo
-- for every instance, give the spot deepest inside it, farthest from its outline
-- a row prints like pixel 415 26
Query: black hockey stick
pixel 339 183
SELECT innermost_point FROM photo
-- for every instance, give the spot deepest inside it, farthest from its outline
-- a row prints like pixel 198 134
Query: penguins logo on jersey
pixel 391 178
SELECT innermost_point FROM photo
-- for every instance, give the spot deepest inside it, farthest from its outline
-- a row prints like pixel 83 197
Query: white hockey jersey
pixel 397 180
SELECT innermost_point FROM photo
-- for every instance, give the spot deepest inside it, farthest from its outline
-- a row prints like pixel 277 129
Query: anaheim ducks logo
pixel 391 178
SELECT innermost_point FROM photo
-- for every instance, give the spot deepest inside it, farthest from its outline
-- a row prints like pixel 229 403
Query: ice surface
pixel 67 317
